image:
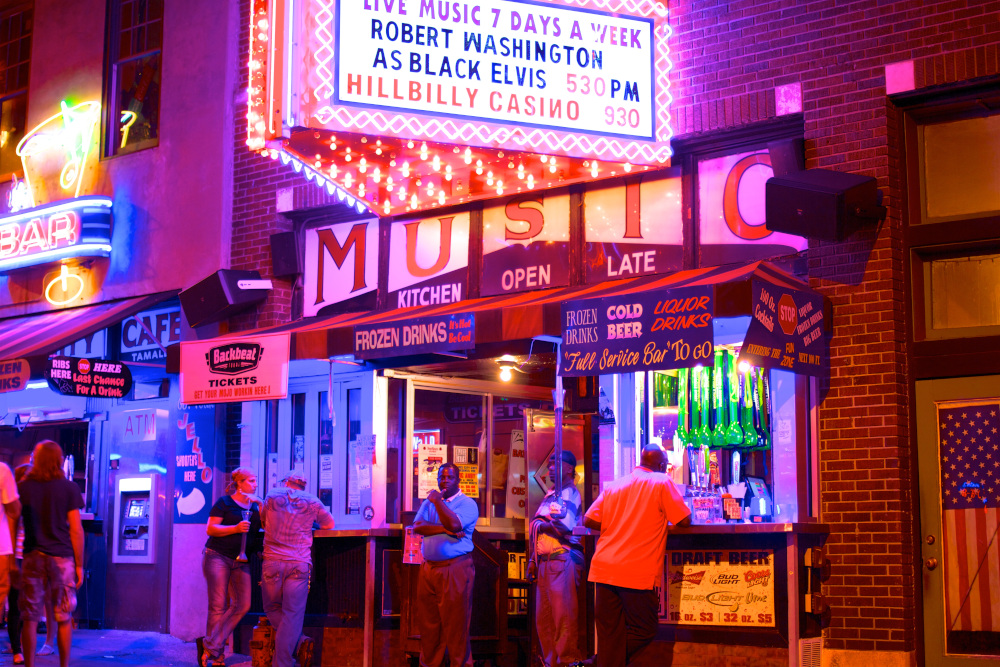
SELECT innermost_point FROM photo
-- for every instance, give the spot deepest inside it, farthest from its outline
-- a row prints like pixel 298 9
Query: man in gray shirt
pixel 288 517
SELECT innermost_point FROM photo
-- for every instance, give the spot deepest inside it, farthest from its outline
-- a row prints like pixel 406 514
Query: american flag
pixel 969 434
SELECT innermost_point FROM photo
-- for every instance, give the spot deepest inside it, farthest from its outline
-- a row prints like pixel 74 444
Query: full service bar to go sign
pixel 637 332
pixel 512 62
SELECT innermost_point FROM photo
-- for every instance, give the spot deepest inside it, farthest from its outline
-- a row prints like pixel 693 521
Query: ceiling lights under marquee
pixel 397 160
pixel 392 176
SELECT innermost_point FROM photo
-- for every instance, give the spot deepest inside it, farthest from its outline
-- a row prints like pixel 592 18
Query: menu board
pixel 786 330
pixel 729 588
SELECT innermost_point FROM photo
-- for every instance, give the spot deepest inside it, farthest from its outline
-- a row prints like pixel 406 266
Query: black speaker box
pixel 286 260
pixel 218 297
pixel 819 203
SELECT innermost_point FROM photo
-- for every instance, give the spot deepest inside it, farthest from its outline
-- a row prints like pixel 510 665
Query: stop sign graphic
pixel 788 314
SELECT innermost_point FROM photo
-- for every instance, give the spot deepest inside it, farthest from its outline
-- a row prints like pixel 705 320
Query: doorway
pixel 958 443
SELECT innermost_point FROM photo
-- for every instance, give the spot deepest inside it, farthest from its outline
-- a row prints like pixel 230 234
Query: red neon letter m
pixel 328 244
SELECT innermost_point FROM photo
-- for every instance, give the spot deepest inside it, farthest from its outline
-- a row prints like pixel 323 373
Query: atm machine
pixel 134 536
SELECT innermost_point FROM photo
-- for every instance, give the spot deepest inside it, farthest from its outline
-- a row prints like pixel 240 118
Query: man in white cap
pixel 288 517
pixel 557 558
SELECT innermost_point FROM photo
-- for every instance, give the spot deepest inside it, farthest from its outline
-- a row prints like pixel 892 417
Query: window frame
pixel 112 94
pixel 25 8
pixel 940 354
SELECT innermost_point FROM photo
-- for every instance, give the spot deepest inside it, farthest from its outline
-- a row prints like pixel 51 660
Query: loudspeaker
pixel 787 156
pixel 820 203
pixel 218 297
pixel 285 257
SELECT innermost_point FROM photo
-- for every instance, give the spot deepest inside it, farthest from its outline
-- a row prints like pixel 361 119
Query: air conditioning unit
pixel 810 652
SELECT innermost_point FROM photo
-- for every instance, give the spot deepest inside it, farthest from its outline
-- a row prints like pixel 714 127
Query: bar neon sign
pixel 76 228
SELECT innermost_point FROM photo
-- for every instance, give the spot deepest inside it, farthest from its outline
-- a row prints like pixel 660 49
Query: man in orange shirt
pixel 632 514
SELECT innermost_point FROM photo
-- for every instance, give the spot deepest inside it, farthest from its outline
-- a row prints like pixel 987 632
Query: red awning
pixel 43 333
pixel 528 314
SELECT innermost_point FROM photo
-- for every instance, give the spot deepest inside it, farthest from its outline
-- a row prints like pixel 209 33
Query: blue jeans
pixel 228 598
pixel 285 587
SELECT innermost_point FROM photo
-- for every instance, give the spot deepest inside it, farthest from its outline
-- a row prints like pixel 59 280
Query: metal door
pixel 958 442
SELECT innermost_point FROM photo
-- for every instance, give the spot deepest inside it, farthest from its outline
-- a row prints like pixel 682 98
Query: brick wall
pixel 728 59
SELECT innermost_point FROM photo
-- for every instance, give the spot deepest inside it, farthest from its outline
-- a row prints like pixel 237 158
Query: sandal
pixel 46 650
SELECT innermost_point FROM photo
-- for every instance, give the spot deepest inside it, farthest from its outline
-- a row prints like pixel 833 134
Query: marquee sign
pixel 73 228
pixel 583 79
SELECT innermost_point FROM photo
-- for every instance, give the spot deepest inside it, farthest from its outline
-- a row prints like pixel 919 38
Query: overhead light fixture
pixel 508 364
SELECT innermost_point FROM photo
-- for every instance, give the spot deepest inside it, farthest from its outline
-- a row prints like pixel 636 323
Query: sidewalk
pixel 107 648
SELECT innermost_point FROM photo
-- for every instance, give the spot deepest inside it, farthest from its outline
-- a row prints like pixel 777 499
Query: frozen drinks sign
pixel 240 370
pixel 421 335
pixel 516 63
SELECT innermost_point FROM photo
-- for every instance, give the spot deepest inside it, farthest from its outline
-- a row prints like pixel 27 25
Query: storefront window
pixel 297 452
pixel 733 430
pixel 452 426
pixel 449 428
pixel 358 457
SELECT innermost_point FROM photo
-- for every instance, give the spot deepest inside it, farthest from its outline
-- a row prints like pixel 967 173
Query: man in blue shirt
pixel 444 594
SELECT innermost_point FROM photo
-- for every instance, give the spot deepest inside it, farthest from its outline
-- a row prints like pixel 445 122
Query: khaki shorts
pixel 47 578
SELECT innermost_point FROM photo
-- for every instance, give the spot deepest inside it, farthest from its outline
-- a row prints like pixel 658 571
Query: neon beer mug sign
pixel 55 154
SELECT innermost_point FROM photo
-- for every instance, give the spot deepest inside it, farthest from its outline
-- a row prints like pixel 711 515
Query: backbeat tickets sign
pixel 625 333
pixel 422 335
pixel 74 376
pixel 227 371
pixel 734 588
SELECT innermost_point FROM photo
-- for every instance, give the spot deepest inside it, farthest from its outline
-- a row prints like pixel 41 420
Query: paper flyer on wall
pixel 429 459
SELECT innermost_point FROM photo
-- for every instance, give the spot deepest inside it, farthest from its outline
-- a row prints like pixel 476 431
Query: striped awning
pixel 528 314
pixel 41 334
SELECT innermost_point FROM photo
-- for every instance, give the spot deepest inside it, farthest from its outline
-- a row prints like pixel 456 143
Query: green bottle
pixel 703 433
pixel 683 406
pixel 718 400
pixel 746 410
pixel 762 405
pixel 734 434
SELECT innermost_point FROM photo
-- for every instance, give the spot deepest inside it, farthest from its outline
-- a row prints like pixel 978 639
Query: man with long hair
pixel 53 548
